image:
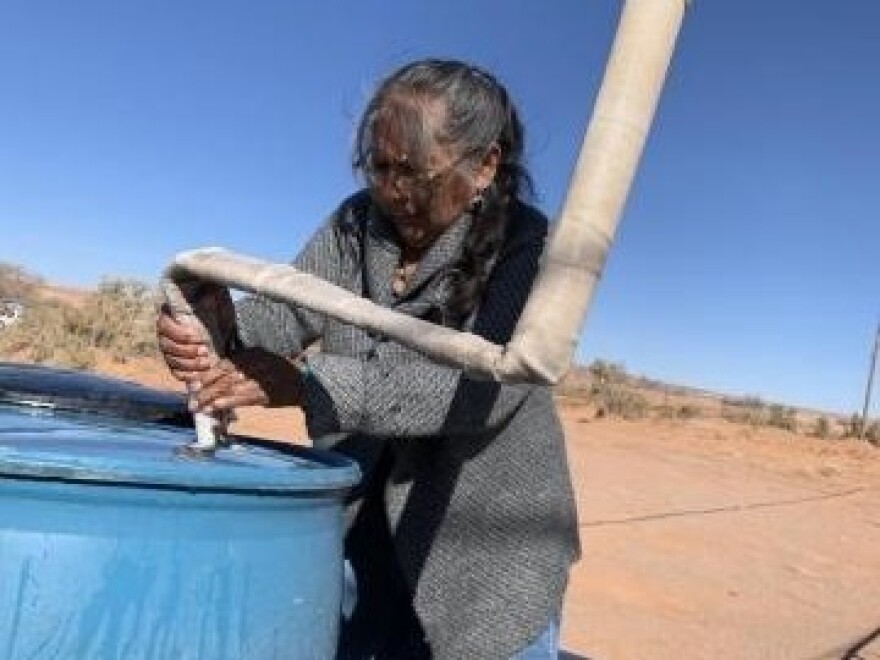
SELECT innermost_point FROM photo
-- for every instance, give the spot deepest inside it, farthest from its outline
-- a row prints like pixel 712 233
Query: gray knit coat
pixel 477 496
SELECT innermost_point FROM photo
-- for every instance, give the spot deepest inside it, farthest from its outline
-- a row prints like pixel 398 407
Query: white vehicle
pixel 10 312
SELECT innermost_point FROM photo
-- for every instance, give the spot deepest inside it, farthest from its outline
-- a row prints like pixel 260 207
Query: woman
pixel 464 528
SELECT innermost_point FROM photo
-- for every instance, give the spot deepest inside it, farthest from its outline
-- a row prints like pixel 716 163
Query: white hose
pixel 545 338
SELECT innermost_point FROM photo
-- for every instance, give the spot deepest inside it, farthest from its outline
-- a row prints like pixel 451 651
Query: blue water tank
pixel 114 545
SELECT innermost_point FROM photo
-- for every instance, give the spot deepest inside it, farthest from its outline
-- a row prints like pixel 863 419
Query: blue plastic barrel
pixel 113 545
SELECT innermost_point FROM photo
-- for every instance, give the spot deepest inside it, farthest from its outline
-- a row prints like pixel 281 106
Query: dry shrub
pixel 121 316
pixel 684 411
pixel 872 433
pixel 117 319
pixel 580 382
pixel 51 332
pixel 573 386
pixel 782 417
pixel 16 282
pixel 853 426
pixel 603 371
pixel 605 386
pixel 754 412
pixel 821 428
pixel 616 400
pixel 854 429
pixel 689 411
pixel 748 402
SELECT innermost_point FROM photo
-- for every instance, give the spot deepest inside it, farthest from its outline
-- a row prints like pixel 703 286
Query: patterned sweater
pixel 479 516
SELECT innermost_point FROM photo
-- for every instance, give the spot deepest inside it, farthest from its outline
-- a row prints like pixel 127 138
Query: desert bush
pixel 754 412
pixel 853 426
pixel 615 400
pixel 854 429
pixel 51 332
pixel 665 411
pixel 689 411
pixel 781 417
pixel 117 319
pixel 16 282
pixel 750 402
pixel 821 428
pixel 603 371
pixel 120 316
pixel 575 384
pixel 572 389
pixel 684 411
pixel 580 381
pixel 750 414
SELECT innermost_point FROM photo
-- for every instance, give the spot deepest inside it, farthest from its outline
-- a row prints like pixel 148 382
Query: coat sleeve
pixel 418 397
pixel 286 329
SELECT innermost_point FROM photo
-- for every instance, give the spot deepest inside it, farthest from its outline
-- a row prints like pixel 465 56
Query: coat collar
pixel 382 255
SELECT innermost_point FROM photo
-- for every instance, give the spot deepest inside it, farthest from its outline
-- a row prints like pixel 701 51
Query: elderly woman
pixel 463 531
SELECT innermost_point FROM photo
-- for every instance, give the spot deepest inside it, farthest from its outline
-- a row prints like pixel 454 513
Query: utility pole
pixel 872 369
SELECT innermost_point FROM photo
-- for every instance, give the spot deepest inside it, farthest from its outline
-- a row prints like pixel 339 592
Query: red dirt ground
pixel 703 538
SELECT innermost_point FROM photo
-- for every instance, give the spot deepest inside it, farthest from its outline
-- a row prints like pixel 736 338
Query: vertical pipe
pixel 547 333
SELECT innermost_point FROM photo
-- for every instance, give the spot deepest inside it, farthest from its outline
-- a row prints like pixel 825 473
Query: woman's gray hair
pixel 478 115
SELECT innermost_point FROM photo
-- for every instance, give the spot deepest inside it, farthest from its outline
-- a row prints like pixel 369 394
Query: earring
pixel 477 203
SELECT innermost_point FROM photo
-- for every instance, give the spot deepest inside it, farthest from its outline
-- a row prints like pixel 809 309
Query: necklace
pixel 402 275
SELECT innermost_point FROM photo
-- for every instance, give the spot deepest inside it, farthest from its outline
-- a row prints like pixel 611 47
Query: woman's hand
pixel 248 377
pixel 185 350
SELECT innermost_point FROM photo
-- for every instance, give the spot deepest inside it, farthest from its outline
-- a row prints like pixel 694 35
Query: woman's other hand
pixel 248 377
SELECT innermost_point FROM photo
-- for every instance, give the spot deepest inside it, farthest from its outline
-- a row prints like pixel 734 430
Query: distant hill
pixel 65 294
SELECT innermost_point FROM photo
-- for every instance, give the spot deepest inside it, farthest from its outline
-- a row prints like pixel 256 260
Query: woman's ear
pixel 485 173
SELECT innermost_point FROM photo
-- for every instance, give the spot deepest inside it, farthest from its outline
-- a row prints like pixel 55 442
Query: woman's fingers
pixel 176 331
pixel 242 396
pixel 185 351
pixel 186 365
pixel 225 387
pixel 251 377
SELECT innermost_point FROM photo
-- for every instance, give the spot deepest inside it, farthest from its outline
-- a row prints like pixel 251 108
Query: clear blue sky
pixel 747 259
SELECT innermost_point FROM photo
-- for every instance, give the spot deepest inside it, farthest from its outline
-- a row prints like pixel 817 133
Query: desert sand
pixel 702 538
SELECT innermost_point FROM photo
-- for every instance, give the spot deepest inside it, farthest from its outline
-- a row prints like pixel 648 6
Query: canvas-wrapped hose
pixel 545 338
pixel 185 299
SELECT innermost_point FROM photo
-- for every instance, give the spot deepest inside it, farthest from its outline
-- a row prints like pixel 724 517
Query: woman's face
pixel 423 199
